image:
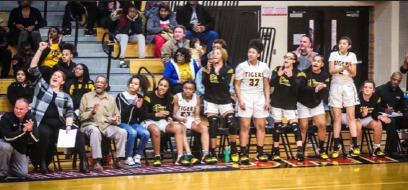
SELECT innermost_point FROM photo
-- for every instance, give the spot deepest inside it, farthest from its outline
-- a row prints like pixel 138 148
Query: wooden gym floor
pixel 365 176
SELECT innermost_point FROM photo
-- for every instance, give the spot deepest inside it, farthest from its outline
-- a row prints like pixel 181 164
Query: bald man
pixel 392 100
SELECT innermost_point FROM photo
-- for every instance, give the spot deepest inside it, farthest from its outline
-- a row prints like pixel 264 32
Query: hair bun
pixel 257 43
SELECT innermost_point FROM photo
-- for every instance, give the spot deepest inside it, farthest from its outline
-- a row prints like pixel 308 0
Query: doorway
pixel 326 25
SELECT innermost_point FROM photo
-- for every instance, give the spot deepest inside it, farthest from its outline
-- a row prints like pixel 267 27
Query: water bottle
pixel 227 151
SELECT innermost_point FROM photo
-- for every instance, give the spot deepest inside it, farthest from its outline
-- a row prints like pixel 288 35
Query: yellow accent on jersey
pixel 213 78
pixel 379 100
pixel 301 74
pixel 147 98
pixel 327 80
pixel 230 71
pixel 204 70
pixel 276 70
pixel 284 81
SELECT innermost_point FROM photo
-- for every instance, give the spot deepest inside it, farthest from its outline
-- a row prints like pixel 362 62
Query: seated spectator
pixel 99 116
pixel 169 48
pixel 196 50
pixel 80 85
pixel 161 20
pixel 17 128
pixel 130 106
pixel 77 10
pixel 51 55
pixel 218 43
pixel 23 58
pixel 129 29
pixel 22 88
pixel 23 20
pixel 158 112
pixel 367 115
pixel 392 100
pixel 179 69
pixel 53 110
pixel 198 21
pixel 105 9
pixel 5 54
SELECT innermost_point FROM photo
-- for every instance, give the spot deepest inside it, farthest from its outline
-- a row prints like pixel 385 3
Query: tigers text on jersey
pixel 340 60
pixel 252 76
pixel 186 108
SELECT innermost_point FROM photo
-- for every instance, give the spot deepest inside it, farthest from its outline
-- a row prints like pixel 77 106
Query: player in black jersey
pixel 368 116
pixel 217 100
pixel 283 102
pixel 314 85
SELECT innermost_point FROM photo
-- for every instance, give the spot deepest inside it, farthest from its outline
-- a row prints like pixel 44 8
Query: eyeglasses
pixel 288 57
pixel 180 55
pixel 79 69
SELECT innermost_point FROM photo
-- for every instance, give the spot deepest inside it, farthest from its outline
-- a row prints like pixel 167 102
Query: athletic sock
pixel 189 152
pixel 179 156
pixel 233 147
pixel 243 150
pixel 321 145
pixel 205 152
pixel 354 140
pixel 212 152
pixel 259 150
pixel 375 146
pixel 336 144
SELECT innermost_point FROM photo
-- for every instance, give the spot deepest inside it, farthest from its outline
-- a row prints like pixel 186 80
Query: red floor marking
pixel 373 159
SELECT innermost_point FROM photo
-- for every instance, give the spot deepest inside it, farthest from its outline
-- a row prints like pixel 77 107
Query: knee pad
pixel 231 124
pixel 277 130
pixel 296 131
pixel 213 122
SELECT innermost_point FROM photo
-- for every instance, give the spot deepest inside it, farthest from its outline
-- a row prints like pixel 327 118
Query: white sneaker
pixel 129 161
pixel 137 159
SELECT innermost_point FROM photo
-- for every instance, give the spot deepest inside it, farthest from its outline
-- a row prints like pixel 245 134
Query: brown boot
pixel 97 166
pixel 119 165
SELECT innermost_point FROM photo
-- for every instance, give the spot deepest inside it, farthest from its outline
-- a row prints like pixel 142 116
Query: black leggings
pixel 48 134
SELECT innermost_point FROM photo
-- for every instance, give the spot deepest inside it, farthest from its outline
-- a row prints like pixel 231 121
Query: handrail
pixel 148 72
pixel 45 12
pixel 76 23
pixel 108 48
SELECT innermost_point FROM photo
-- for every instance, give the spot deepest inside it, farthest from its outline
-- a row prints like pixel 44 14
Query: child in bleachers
pixel 21 88
pixel 196 50
pixel 66 65
pixel 129 29
pixel 23 58
pixel 80 85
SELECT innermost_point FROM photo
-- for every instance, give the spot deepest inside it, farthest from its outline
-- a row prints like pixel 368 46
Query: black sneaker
pixel 89 32
pixel 66 32
pixel 299 155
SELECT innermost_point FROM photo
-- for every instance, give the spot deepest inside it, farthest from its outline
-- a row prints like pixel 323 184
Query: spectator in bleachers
pixel 198 21
pixel 22 88
pixel 196 50
pixel 99 116
pixel 129 29
pixel 66 65
pixel 305 52
pixel 178 41
pixel 5 54
pixel 27 21
pixel 51 55
pixel 218 43
pixel 130 106
pixel 80 85
pixel 77 10
pixel 179 69
pixel 105 9
pixel 161 21
pixel 392 102
pixel 53 110
pixel 23 57
pixel 17 128
pixel 151 5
